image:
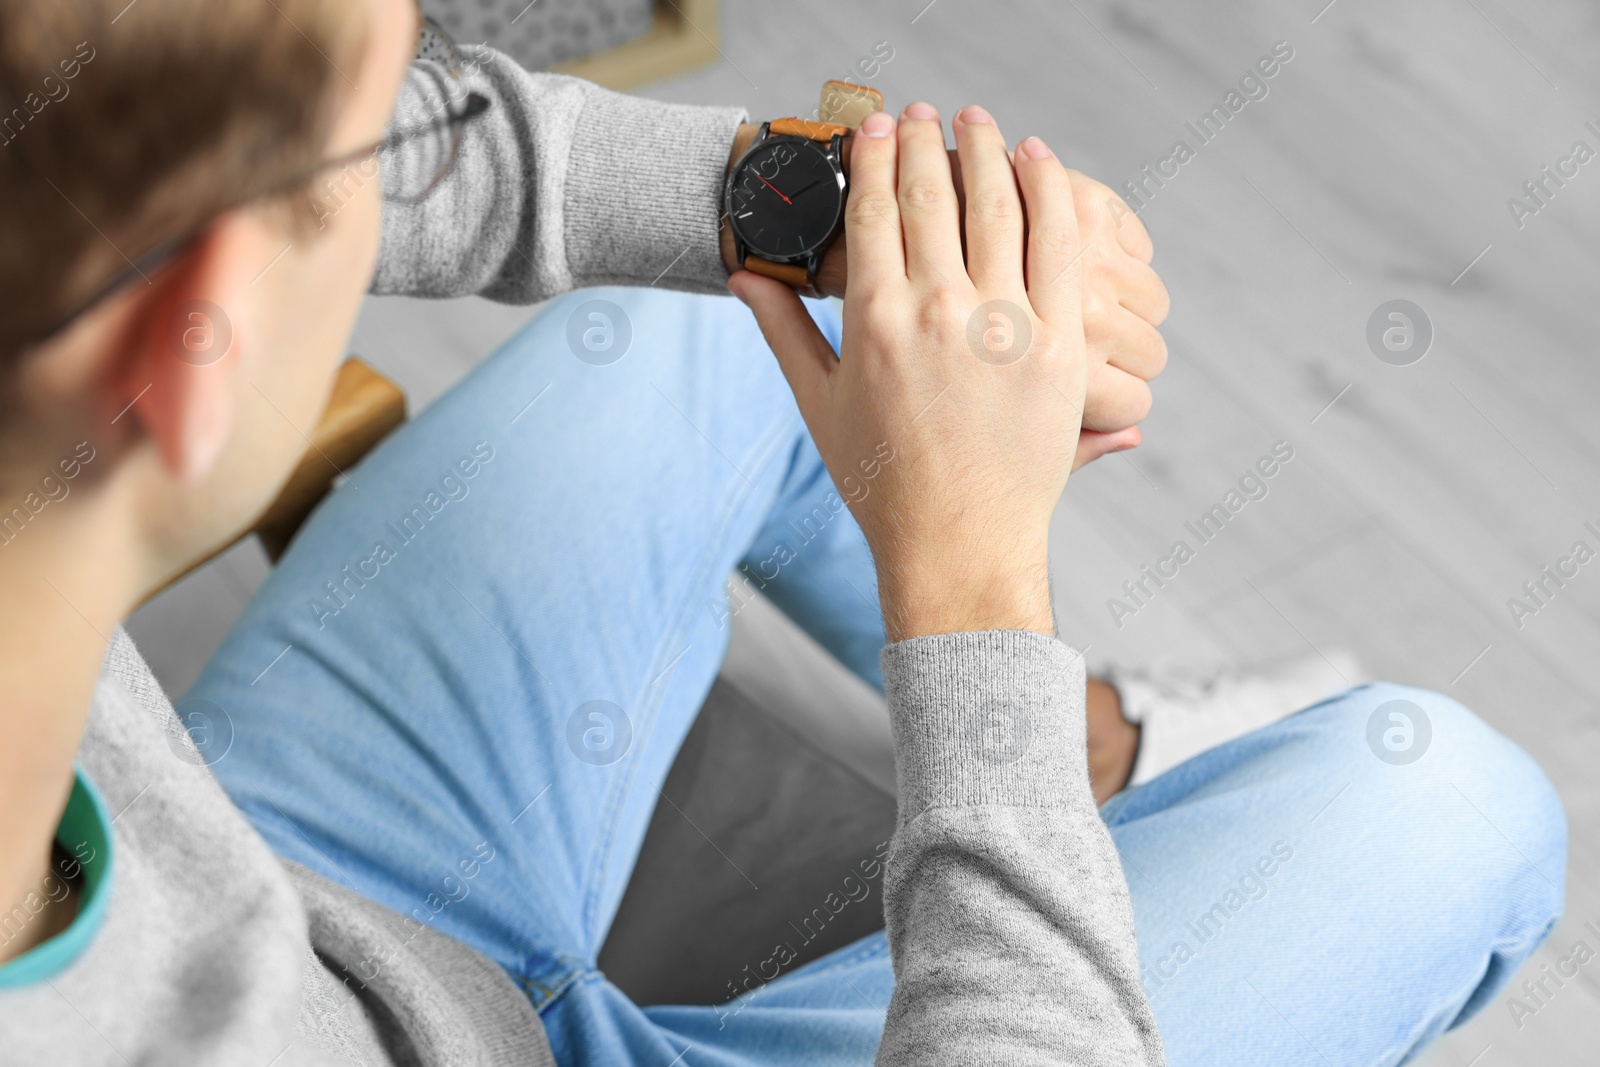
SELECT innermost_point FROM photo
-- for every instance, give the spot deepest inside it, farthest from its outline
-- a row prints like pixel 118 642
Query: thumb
pixel 803 353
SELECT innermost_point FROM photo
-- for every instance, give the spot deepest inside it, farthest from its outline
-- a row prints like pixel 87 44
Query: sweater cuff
pixel 995 717
pixel 644 193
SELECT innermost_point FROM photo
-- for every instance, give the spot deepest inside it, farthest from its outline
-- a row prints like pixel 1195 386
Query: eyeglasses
pixel 418 152
pixel 424 138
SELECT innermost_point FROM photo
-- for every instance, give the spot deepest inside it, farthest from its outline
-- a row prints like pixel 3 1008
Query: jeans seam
pixel 543 996
pixel 680 625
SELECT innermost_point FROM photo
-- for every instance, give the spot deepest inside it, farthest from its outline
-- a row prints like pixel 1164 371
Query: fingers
pixel 1131 234
pixel 1129 342
pixel 1098 205
pixel 928 200
pixel 993 206
pixel 1116 400
pixel 803 353
pixel 1055 273
pixel 876 253
pixel 1092 444
pixel 1140 289
pixel 1123 248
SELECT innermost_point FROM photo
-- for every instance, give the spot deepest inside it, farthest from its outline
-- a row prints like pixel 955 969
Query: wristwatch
pixel 785 196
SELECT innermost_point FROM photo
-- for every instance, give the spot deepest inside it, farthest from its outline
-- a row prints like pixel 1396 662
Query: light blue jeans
pixel 494 638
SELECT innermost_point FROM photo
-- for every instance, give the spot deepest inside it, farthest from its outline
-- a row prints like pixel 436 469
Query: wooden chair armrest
pixel 683 36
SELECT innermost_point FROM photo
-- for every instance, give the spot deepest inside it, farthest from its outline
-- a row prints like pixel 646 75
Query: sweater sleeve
pixel 1008 915
pixel 560 184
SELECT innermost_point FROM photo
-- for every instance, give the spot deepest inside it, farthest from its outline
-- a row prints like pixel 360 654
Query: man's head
pixel 127 126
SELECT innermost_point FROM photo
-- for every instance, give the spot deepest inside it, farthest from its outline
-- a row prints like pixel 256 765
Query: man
pixel 413 690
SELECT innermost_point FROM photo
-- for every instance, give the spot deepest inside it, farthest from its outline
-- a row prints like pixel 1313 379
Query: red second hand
pixel 774 188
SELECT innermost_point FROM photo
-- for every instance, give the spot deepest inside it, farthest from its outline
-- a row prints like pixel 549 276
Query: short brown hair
pixel 124 125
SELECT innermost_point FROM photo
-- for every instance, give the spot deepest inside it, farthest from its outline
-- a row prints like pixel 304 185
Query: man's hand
pixel 1124 303
pixel 961 379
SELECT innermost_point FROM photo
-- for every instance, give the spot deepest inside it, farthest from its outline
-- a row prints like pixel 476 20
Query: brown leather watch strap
pixel 811 131
pixel 791 274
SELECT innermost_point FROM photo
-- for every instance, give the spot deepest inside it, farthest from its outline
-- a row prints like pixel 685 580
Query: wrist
pixel 958 596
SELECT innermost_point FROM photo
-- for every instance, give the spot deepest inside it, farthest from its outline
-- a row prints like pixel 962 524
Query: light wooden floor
pixel 1377 167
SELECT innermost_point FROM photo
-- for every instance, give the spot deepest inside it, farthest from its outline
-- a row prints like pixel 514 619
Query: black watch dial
pixel 785 197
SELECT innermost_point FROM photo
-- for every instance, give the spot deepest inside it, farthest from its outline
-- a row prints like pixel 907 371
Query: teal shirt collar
pixel 85 837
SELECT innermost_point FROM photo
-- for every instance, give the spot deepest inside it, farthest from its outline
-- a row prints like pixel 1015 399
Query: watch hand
pixel 774 188
pixel 803 190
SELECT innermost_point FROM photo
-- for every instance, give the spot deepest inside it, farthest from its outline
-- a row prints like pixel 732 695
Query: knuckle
pixel 1095 188
pixel 1050 339
pixel 866 209
pixel 995 206
pixel 879 335
pixel 1094 202
pixel 1143 400
pixel 920 194
pixel 1098 335
pixel 1158 359
pixel 1055 240
pixel 881 326
pixel 1096 307
pixel 1163 303
pixel 943 308
pixel 875 306
pixel 1096 224
pixel 1135 238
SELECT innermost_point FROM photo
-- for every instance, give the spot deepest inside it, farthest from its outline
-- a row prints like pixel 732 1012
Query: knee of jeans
pixel 599 335
pixel 1457 752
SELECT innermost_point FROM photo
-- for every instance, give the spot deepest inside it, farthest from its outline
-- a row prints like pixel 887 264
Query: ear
pixel 185 341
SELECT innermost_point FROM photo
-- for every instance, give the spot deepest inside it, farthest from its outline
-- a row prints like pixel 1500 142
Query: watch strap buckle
pixel 846 104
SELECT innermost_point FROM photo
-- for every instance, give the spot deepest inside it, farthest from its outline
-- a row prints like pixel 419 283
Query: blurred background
pixel 1432 475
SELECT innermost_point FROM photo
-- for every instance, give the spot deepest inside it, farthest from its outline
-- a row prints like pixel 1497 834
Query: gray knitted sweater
pixel 1007 912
